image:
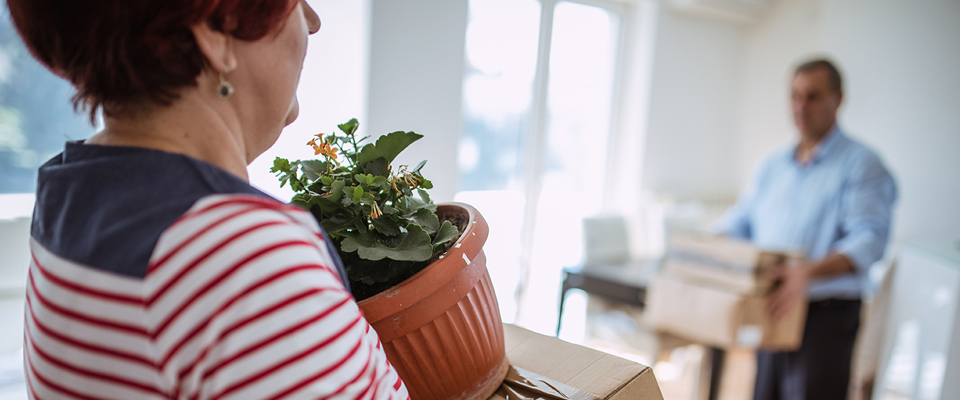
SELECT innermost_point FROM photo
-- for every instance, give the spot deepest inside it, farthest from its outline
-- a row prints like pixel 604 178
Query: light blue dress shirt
pixel 841 202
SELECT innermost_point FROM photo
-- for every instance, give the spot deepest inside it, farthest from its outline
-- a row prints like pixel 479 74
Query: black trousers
pixel 820 369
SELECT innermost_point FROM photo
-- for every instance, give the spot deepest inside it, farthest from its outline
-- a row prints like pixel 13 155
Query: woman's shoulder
pixel 242 209
pixel 106 207
pixel 234 225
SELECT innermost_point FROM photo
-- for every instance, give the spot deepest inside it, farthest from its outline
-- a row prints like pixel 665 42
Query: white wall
pixel 416 79
pixel 902 58
pixel 719 101
pixel 773 46
pixel 332 86
pixel 693 106
pixel 901 63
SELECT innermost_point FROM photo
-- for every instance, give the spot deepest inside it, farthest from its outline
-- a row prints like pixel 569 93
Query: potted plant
pixel 417 269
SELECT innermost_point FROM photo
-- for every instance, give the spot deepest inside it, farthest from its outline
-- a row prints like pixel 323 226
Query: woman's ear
pixel 216 46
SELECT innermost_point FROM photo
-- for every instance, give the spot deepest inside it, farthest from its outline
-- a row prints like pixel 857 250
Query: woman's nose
pixel 313 20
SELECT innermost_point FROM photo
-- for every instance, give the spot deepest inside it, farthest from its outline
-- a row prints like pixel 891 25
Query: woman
pixel 158 271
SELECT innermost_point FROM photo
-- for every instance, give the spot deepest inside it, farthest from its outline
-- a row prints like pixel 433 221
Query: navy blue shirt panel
pixel 106 207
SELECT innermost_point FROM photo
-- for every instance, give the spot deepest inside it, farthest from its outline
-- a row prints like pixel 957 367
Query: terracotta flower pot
pixel 441 328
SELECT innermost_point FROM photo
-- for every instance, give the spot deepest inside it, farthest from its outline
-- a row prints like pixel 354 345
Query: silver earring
pixel 224 89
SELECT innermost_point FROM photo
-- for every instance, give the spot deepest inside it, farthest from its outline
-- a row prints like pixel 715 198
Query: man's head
pixel 815 96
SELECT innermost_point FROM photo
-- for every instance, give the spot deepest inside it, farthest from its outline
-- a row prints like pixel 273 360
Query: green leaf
pixel 363 178
pixel 326 180
pixel 338 222
pixel 349 127
pixel 411 246
pixel 446 233
pixel 378 166
pixel 386 225
pixel 426 219
pixel 357 194
pixel 316 188
pixel 296 184
pixel 313 168
pixel 337 188
pixel 348 194
pixel 416 170
pixel 388 146
pixel 414 205
pixel 286 172
pixel 280 164
pixel 423 195
pixel 426 184
pixel 301 200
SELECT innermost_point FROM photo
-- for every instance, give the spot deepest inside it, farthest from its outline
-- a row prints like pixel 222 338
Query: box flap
pixel 728 253
pixel 602 374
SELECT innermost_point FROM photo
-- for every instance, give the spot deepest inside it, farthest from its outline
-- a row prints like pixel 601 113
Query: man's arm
pixel 868 213
pixel 868 207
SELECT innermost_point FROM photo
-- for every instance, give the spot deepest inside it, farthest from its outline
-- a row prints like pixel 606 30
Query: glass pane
pixel 36 117
pixel 36 114
pixel 583 59
pixel 501 50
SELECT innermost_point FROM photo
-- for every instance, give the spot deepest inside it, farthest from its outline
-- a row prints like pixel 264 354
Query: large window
pixel 36 118
pixel 36 114
pixel 539 101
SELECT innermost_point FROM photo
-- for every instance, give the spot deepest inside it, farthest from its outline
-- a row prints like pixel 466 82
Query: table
pixel 627 283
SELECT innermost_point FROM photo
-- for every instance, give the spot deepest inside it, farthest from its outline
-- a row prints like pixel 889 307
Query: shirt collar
pixel 825 145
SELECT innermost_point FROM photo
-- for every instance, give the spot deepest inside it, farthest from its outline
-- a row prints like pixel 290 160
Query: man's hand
pixel 791 290
pixel 794 280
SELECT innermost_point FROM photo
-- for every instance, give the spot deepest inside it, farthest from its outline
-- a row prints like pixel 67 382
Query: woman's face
pixel 266 78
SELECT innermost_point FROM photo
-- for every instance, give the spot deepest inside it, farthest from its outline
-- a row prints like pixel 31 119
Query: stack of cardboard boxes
pixel 713 290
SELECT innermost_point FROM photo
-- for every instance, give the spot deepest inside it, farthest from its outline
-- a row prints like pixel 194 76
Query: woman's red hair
pixel 119 53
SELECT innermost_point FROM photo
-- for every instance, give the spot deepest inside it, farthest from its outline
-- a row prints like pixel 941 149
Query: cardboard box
pixel 718 317
pixel 734 282
pixel 600 374
pixel 725 263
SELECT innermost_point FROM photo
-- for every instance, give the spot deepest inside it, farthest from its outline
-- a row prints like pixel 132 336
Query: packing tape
pixel 521 384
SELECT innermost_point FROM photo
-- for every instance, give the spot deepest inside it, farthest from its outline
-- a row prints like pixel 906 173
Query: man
pixel 832 198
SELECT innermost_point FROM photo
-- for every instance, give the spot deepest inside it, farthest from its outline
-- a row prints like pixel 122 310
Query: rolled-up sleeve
pixel 868 207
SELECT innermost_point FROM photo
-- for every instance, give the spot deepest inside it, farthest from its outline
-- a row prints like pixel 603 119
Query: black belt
pixel 835 302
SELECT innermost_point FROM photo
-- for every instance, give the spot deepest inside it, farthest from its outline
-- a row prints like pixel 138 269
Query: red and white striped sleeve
pixel 243 302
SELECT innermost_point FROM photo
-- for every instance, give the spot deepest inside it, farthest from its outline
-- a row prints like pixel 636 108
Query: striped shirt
pixel 157 276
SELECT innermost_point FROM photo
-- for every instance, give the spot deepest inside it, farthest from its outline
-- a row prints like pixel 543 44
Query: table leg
pixel 563 296
pixel 716 371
